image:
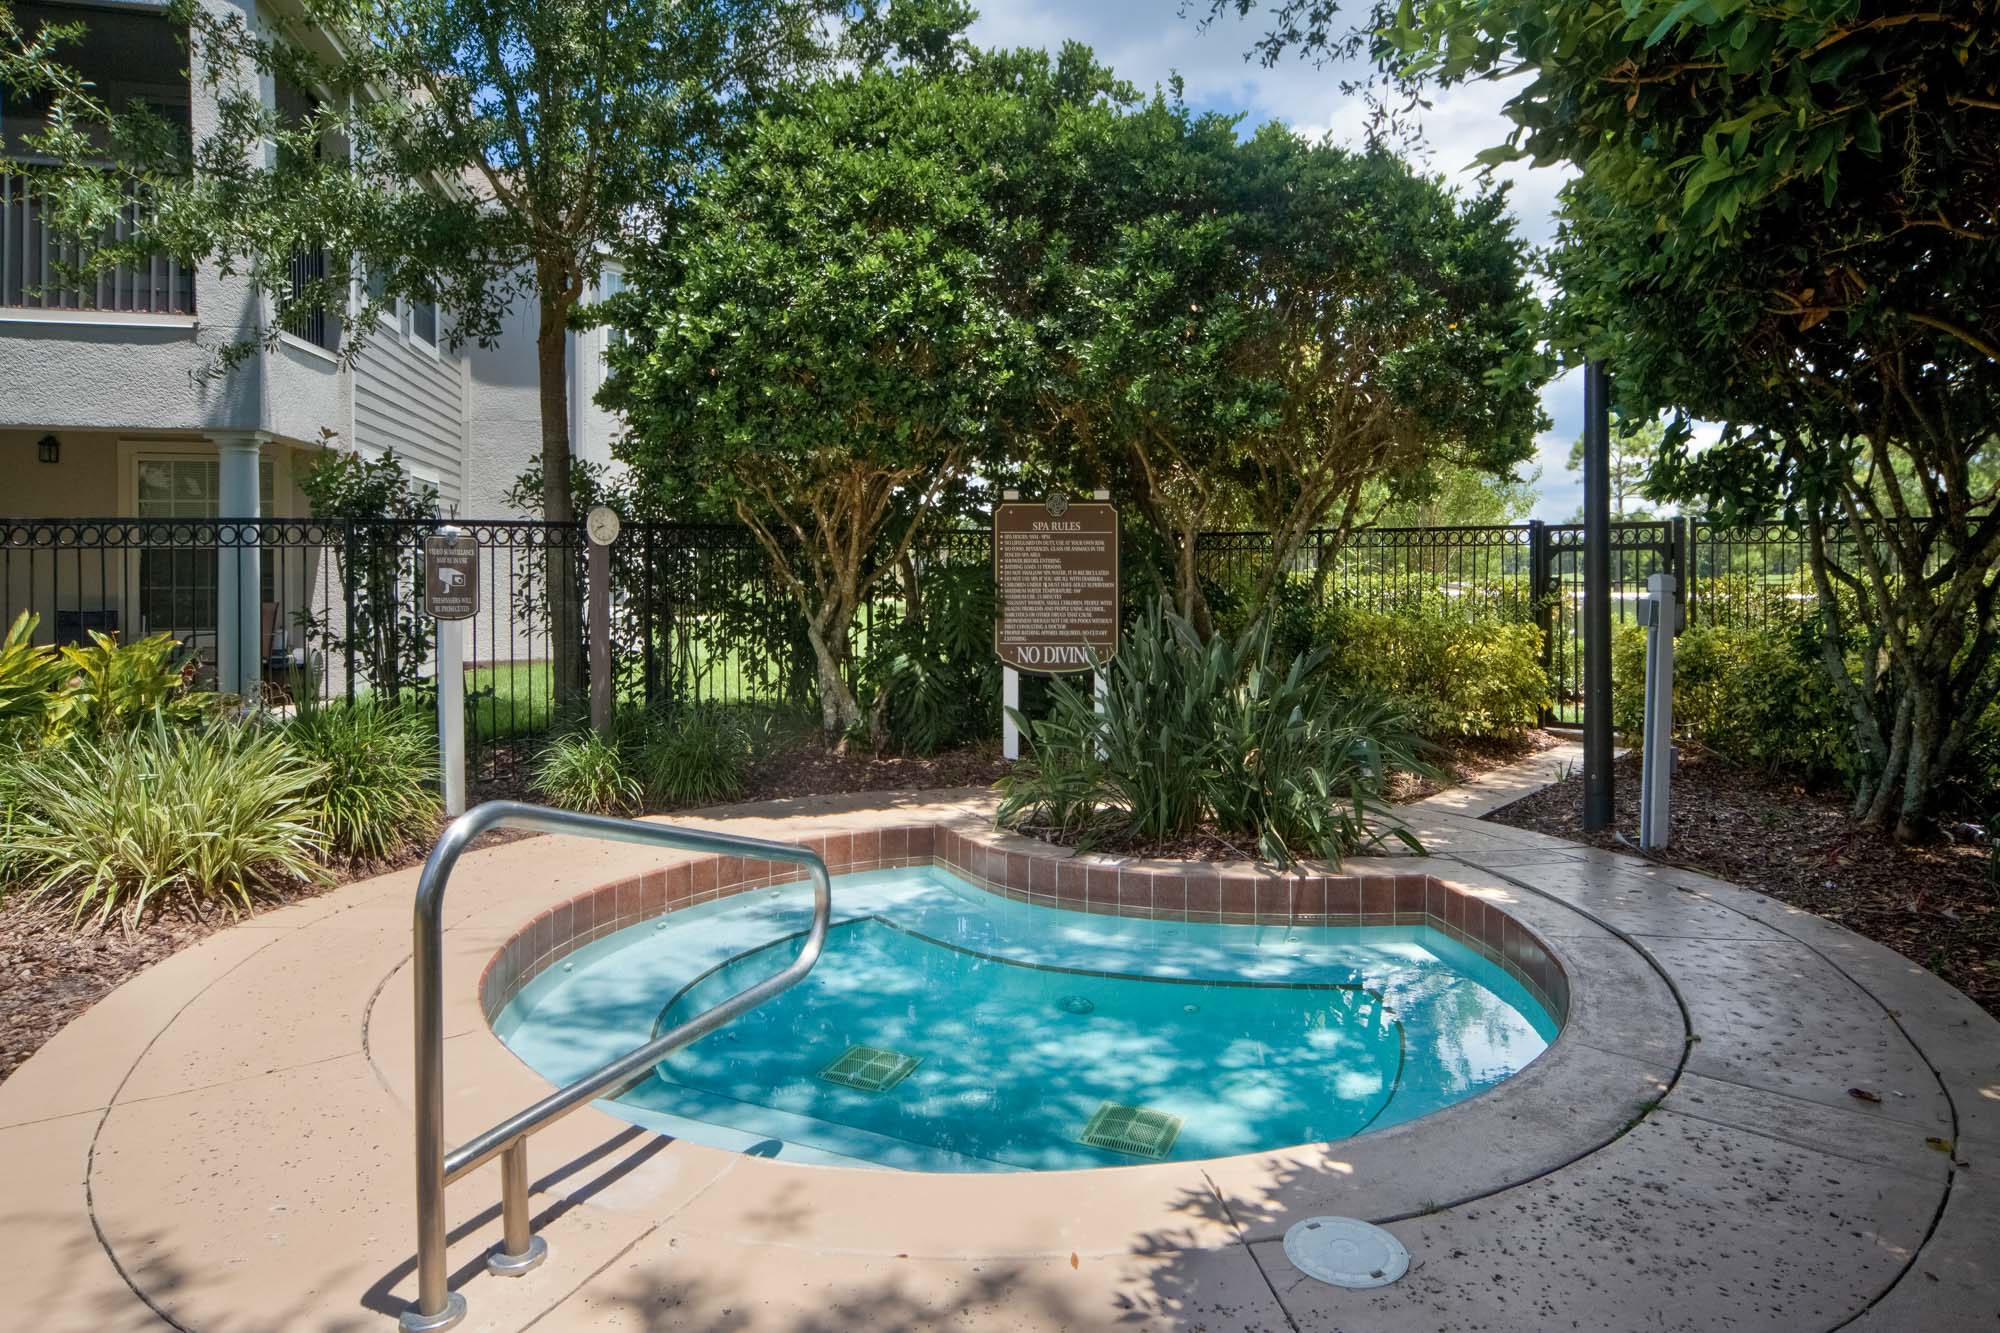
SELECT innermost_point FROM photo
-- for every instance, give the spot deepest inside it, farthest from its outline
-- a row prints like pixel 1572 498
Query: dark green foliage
pixel 933 674
pixel 381 789
pixel 1782 221
pixel 579 770
pixel 696 755
pixel 823 347
pixel 379 561
pixel 1198 734
pixel 1759 696
pixel 198 816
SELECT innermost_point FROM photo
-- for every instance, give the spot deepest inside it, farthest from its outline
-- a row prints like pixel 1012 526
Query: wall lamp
pixel 49 449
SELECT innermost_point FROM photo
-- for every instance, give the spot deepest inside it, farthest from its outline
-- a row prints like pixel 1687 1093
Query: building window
pixel 424 321
pixel 177 584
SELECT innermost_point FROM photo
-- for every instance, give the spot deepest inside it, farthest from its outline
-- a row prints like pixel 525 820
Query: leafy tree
pixel 1455 496
pixel 1155 376
pixel 470 155
pixel 379 562
pixel 1785 219
pixel 1634 445
pixel 1283 332
pixel 823 345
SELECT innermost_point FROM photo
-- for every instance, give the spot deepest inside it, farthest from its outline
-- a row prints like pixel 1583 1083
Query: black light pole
pixel 1597 807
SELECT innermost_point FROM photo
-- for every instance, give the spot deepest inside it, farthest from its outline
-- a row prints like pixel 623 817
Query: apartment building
pixel 113 405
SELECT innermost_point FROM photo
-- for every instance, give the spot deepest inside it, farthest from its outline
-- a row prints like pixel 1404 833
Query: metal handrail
pixel 438 1307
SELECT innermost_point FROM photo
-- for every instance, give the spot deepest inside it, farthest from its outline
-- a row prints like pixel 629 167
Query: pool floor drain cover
pixel 1346 1252
pixel 1135 1130
pixel 870 1069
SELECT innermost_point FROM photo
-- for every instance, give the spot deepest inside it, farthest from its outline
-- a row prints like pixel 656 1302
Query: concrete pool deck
pixel 223 1144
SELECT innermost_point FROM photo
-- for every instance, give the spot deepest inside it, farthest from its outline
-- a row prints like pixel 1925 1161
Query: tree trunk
pixel 1194 603
pixel 839 711
pixel 566 649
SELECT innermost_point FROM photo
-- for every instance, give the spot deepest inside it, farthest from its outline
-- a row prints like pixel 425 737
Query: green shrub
pixel 1756 696
pixel 382 774
pixel 202 815
pixel 103 686
pixel 579 770
pixel 1453 667
pixel 1194 734
pixel 114 685
pixel 933 678
pixel 30 676
pixel 695 755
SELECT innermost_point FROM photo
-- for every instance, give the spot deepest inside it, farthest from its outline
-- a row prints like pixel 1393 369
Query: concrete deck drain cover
pixel 1132 1129
pixel 1346 1252
pixel 870 1069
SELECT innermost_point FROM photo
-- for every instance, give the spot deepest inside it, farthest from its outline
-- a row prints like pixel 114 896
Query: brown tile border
pixel 1029 871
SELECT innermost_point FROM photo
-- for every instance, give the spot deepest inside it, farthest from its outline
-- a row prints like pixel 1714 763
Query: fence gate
pixel 1639 549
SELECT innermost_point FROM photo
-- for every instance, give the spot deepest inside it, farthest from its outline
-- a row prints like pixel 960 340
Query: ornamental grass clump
pixel 380 796
pixel 1211 736
pixel 198 816
pixel 580 770
pixel 695 755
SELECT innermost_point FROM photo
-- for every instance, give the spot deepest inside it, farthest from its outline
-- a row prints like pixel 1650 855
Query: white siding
pixel 411 400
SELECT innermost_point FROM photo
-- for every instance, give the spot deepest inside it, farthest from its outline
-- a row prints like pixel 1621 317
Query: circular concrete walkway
pixel 222 1144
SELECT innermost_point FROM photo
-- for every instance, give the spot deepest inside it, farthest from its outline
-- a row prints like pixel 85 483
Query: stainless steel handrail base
pixel 514 1265
pixel 450 1317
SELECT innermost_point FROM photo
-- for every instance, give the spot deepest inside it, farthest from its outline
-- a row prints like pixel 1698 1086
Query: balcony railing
pixel 39 265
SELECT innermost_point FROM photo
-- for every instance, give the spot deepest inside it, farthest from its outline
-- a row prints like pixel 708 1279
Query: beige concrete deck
pixel 224 1144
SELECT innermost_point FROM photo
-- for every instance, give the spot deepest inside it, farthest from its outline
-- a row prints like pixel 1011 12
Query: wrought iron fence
pixel 699 615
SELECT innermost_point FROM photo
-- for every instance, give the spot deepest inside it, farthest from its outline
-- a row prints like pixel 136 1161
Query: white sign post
pixel 1659 613
pixel 1010 703
pixel 451 595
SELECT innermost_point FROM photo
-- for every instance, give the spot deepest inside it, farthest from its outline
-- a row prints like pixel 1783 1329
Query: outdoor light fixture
pixel 49 449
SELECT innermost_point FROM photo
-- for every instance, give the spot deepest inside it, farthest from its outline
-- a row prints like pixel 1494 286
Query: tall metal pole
pixel 600 638
pixel 1597 802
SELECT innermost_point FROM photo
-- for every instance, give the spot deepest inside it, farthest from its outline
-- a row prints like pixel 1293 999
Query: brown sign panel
pixel 1055 566
pixel 451 577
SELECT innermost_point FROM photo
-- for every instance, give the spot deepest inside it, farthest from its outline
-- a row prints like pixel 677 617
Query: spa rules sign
pixel 1055 565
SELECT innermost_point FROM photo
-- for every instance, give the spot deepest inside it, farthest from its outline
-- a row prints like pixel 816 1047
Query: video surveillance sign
pixel 451 576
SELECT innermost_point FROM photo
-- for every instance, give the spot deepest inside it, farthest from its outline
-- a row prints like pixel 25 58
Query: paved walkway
pixel 222 1145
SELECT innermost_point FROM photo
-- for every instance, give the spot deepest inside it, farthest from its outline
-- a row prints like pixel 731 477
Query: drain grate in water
pixel 1132 1129
pixel 870 1069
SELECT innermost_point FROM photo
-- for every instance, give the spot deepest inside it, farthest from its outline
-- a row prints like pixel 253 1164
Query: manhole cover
pixel 1346 1252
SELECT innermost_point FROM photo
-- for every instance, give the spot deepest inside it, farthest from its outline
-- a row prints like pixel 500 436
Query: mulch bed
pixel 1937 904
pixel 1455 762
pixel 52 969
pixel 813 771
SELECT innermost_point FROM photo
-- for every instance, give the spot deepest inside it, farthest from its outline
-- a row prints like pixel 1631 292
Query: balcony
pixel 38 265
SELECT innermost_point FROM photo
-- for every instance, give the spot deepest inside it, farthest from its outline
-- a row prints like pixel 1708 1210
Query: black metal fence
pixel 698 614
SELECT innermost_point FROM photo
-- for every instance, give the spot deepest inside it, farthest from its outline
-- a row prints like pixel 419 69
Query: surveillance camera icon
pixel 450 579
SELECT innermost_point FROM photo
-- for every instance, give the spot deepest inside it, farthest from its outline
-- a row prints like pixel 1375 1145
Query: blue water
pixel 1022 1022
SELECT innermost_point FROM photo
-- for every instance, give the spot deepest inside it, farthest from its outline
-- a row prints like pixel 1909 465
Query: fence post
pixel 1539 603
pixel 649 668
pixel 1683 571
pixel 1598 780
pixel 347 576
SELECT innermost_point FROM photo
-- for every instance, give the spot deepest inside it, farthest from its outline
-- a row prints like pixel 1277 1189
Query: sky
pixel 1148 41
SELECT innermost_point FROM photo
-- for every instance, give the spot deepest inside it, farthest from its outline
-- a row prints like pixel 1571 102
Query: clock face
pixel 602 525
